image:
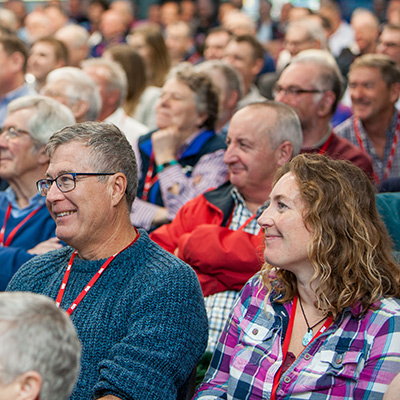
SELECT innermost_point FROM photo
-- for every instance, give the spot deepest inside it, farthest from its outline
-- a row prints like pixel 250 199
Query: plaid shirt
pixel 219 305
pixel 354 358
pixel 346 130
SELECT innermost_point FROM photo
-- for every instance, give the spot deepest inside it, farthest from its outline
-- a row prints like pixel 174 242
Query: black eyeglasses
pixel 293 91
pixel 66 182
pixel 13 133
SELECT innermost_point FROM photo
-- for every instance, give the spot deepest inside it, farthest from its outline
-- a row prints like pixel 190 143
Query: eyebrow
pixel 59 173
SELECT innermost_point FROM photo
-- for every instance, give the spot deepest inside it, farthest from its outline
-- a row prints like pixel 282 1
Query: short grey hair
pixel 35 335
pixel 233 78
pixel 329 76
pixel 287 125
pixel 205 92
pixel 79 86
pixel 78 33
pixel 49 116
pixel 312 28
pixel 116 76
pixel 110 151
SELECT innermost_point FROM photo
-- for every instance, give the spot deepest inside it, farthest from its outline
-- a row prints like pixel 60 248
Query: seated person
pixel 217 232
pixel 184 157
pixel 138 310
pixel 322 317
pixel 27 228
pixel 39 349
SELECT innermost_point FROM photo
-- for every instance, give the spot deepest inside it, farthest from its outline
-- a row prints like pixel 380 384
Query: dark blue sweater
pixel 143 325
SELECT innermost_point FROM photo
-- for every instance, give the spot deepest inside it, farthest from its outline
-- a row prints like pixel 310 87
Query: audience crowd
pixel 179 175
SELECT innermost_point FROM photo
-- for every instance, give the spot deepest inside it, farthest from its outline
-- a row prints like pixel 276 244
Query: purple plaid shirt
pixel 354 358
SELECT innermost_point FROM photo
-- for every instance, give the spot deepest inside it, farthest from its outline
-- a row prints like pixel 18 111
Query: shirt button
pixel 255 331
pixel 287 379
pixel 307 356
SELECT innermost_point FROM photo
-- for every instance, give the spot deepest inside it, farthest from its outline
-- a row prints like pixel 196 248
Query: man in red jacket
pixel 217 232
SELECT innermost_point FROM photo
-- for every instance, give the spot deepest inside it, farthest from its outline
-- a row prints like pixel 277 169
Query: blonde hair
pixel 350 250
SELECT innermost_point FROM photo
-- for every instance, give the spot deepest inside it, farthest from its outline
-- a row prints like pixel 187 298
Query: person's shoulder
pixel 345 128
pixel 383 312
pixel 158 260
pixel 39 268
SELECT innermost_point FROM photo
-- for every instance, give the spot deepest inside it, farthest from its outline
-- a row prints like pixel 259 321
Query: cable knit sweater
pixel 143 325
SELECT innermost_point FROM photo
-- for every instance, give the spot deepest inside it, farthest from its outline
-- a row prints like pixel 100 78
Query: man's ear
pixel 42 157
pixel 18 61
pixel 325 103
pixel 394 92
pixel 257 66
pixel 79 109
pixel 118 187
pixel 29 386
pixel 284 153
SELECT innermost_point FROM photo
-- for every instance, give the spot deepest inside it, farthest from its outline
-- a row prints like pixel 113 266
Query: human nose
pixel 265 220
pixel 3 139
pixel 230 154
pixel 54 193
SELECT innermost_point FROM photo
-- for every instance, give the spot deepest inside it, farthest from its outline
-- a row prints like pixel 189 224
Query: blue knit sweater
pixel 143 325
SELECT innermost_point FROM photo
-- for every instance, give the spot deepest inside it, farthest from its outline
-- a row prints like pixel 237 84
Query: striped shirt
pixel 210 171
pixel 354 358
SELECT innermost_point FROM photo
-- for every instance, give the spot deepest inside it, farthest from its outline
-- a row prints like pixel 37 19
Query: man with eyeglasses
pixel 26 228
pixel 138 310
pixel 312 85
pixel 389 42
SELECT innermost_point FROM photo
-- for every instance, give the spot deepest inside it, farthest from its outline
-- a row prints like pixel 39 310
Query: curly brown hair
pixel 350 249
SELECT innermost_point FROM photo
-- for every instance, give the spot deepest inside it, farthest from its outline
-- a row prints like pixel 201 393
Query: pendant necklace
pixel 307 338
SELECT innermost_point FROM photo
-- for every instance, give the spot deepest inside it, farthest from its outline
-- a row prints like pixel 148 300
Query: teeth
pixel 63 214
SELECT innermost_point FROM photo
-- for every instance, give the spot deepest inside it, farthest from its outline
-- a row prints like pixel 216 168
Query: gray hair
pixel 49 116
pixel 312 28
pixel 110 151
pixel 286 126
pixel 79 86
pixel 78 33
pixel 329 76
pixel 37 336
pixel 116 75
pixel 233 78
pixel 205 92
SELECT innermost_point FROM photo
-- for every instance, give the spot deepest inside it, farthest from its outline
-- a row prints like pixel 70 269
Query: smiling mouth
pixel 64 213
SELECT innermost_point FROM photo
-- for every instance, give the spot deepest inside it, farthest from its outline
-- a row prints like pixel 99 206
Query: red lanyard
pixel 286 343
pixel 323 149
pixel 10 237
pixel 149 180
pixel 92 281
pixel 392 148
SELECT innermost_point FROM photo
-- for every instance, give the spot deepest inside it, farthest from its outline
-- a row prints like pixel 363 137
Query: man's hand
pixel 43 247
pixel 165 144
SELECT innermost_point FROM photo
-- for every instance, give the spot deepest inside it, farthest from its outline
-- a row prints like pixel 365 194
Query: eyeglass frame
pixel 73 174
pixel 13 133
pixel 293 91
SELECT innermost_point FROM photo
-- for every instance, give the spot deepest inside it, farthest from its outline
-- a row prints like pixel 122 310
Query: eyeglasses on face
pixel 65 182
pixel 12 133
pixel 293 91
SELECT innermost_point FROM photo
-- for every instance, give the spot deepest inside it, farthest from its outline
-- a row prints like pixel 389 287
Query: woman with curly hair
pixel 322 318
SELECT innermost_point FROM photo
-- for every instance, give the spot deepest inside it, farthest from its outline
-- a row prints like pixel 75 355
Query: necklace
pixel 309 334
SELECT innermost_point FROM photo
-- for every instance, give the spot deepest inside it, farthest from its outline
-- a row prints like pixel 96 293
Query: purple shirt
pixel 354 358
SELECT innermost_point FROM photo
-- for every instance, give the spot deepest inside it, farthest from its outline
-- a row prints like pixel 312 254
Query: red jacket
pixel 222 258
